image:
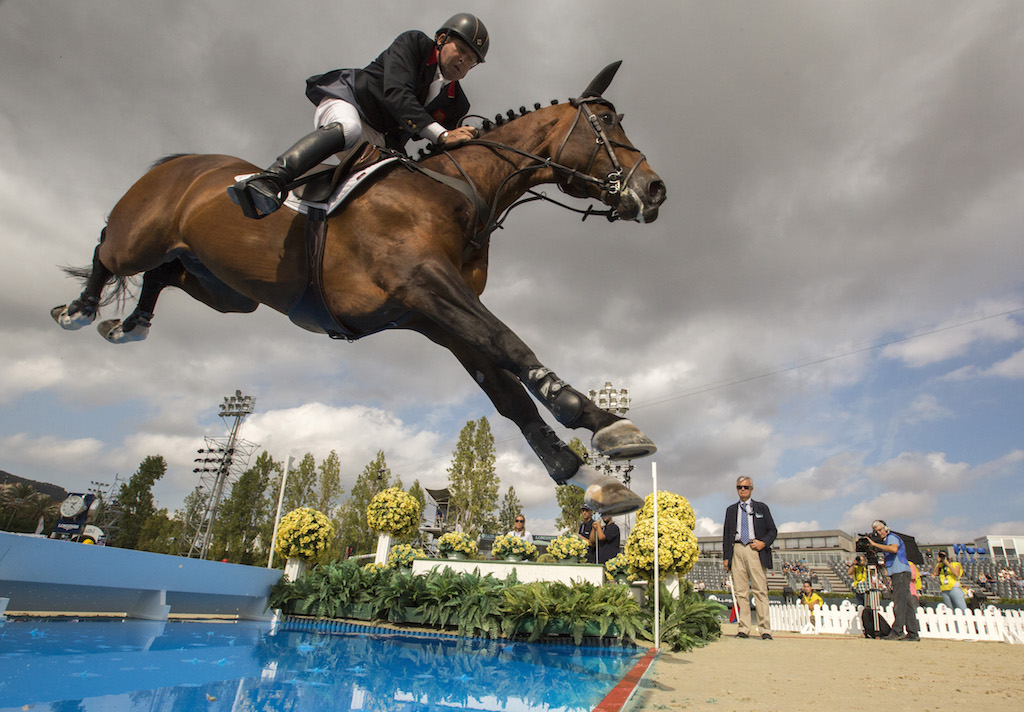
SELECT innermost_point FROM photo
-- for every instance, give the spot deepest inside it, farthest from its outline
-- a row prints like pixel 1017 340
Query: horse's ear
pixel 602 80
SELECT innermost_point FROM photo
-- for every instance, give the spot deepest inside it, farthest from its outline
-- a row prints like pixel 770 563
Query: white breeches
pixel 330 111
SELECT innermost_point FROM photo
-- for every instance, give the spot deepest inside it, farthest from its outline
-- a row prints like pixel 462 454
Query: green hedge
pixel 483 606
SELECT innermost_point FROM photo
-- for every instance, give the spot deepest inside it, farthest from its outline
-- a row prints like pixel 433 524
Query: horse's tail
pixel 122 290
pixel 121 293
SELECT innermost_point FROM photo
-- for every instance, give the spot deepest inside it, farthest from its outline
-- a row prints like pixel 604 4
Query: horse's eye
pixel 608 118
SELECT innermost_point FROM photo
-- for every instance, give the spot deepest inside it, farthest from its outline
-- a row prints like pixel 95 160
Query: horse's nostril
pixel 657 191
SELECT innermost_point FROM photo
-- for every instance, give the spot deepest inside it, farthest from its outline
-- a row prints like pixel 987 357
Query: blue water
pixel 67 666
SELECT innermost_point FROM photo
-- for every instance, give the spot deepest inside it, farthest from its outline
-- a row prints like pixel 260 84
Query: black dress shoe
pixel 742 635
pixel 912 637
pixel 894 636
pixel 766 636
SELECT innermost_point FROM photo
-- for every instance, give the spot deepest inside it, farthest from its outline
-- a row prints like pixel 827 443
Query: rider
pixel 410 91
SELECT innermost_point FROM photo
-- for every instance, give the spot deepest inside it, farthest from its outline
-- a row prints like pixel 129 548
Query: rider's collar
pixel 432 59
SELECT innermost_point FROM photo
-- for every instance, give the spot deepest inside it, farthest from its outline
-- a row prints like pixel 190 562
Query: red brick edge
pixel 619 697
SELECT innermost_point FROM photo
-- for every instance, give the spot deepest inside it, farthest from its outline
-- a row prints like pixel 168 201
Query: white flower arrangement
pixel 506 545
pixel 393 511
pixel 568 546
pixel 303 533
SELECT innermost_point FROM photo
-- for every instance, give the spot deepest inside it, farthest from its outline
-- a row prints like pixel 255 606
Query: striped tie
pixel 744 525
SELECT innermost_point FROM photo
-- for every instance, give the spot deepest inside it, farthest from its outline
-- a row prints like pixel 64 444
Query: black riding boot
pixel 263 193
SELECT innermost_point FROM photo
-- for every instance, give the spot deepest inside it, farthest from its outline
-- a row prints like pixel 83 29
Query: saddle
pixel 321 191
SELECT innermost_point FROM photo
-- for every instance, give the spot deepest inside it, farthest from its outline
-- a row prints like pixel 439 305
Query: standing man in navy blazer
pixel 747 539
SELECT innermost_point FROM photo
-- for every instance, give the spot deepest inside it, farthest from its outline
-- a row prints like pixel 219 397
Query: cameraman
pixel 949 573
pixel 898 568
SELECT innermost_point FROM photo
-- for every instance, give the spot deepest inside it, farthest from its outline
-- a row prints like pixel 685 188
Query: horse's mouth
pixel 641 207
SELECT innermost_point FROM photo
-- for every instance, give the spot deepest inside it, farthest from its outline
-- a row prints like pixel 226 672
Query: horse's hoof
pixel 113 331
pixel 612 497
pixel 74 321
pixel 622 441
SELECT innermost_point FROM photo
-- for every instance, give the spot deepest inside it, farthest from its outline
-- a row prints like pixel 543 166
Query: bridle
pixel 611 184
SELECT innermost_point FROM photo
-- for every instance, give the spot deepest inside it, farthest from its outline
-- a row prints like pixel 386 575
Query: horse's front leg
pixel 602 493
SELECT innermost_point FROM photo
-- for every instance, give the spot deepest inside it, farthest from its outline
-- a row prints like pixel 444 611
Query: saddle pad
pixel 338 196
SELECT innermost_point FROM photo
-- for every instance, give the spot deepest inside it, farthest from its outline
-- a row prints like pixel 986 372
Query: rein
pixel 612 184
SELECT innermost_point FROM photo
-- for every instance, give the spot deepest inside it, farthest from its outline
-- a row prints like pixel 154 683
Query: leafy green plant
pixel 688 621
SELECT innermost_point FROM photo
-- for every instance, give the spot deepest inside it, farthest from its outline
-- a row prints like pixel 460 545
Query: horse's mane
pixel 165 159
pixel 488 125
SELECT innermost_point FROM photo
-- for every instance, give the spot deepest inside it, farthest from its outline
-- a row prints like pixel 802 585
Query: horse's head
pixel 605 164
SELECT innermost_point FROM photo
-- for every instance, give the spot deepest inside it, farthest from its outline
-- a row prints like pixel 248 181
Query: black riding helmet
pixel 470 30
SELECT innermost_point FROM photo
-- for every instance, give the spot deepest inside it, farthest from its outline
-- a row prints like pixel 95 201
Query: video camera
pixel 872 556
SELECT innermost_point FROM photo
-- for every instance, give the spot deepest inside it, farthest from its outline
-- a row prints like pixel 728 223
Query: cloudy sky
pixel 832 300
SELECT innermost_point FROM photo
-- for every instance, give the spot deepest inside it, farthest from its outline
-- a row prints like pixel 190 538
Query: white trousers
pixel 330 111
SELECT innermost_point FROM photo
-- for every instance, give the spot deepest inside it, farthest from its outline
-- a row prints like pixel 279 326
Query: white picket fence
pixel 939 622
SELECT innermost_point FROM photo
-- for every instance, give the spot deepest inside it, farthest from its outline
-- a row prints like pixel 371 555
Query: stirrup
pixel 242 197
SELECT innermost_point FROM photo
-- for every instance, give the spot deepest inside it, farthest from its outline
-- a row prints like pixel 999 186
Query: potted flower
pixel 456 545
pixel 302 536
pixel 670 505
pixel 392 513
pixel 568 548
pixel 677 549
pixel 402 556
pixel 617 568
pixel 513 548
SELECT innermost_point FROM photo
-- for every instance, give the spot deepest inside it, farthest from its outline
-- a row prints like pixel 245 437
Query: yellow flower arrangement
pixel 303 533
pixel 393 511
pixel 506 545
pixel 670 505
pixel 677 548
pixel 401 556
pixel 456 542
pixel 568 546
pixel 373 566
pixel 617 566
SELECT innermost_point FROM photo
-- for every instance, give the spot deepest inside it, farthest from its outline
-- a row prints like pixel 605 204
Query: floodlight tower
pixel 218 461
pixel 614 400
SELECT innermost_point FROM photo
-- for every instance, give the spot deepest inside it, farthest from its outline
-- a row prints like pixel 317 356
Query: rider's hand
pixel 457 137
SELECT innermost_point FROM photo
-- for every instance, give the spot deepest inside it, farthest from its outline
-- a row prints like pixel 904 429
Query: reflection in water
pixel 139 665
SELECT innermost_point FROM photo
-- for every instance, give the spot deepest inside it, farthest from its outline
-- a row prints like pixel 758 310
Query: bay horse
pixel 408 251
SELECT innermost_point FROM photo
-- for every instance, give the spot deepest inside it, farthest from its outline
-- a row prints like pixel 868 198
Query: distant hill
pixel 57 494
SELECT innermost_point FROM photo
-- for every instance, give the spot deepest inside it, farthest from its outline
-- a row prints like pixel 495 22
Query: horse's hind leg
pixel 209 291
pixel 136 326
pixel 83 310
pixel 602 493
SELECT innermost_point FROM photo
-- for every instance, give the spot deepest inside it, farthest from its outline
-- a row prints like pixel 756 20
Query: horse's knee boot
pixel 560 462
pixel 564 401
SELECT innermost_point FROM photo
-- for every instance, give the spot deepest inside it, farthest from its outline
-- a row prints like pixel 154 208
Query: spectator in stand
pixel 858 572
pixel 519 529
pixel 809 598
pixel 701 588
pixel 949 573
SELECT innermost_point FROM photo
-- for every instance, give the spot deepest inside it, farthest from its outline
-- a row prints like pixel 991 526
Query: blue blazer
pixel 764 529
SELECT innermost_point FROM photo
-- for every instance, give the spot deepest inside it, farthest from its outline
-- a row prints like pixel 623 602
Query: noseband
pixel 613 183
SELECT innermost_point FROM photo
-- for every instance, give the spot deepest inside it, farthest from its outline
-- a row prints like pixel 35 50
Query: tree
pixel 570 497
pixel 473 481
pixel 420 496
pixel 510 508
pixel 329 490
pixel 300 490
pixel 351 528
pixel 135 499
pixel 160 534
pixel 243 515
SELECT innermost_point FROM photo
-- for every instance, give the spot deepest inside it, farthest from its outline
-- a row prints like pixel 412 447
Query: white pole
pixel 657 577
pixel 277 517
